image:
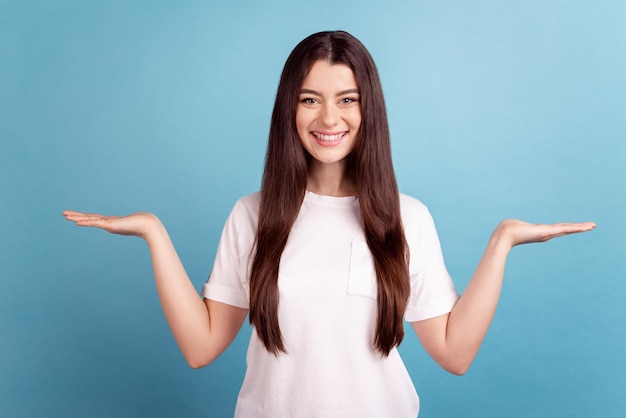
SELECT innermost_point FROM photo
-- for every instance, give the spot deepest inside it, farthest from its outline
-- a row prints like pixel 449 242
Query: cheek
pixel 355 118
pixel 301 124
pixel 356 122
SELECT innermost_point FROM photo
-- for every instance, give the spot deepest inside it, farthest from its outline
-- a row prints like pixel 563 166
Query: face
pixel 328 115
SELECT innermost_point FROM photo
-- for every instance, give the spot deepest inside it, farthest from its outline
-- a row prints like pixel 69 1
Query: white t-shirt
pixel 327 311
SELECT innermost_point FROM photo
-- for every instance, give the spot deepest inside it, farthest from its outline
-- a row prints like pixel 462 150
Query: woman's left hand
pixel 453 339
pixel 515 232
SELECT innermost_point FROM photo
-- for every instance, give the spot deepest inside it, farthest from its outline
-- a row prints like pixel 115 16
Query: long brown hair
pixel 369 165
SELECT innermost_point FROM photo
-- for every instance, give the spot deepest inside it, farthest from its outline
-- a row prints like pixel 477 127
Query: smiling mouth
pixel 329 139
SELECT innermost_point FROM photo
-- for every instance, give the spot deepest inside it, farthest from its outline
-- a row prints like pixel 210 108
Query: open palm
pixel 518 232
pixel 136 224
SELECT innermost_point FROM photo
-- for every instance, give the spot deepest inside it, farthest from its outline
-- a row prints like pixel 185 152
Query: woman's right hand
pixel 201 340
pixel 137 224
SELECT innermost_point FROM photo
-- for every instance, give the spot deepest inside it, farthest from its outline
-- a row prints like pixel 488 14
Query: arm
pixel 454 339
pixel 202 329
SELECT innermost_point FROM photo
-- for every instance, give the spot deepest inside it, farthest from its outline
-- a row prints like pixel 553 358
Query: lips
pixel 329 139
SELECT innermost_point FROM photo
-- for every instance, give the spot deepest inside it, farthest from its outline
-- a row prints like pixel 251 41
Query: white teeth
pixel 328 138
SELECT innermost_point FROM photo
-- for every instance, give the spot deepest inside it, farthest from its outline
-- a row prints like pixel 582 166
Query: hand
pixel 516 232
pixel 137 224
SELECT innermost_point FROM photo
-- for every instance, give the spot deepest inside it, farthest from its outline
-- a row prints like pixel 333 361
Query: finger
pixel 85 220
pixel 75 213
pixel 104 222
pixel 571 228
pixel 98 223
pixel 95 220
pixel 81 217
pixel 562 229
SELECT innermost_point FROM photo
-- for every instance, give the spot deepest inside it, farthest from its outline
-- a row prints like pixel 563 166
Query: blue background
pixel 497 109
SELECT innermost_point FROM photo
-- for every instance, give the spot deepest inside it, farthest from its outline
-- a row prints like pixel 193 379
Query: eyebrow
pixel 317 93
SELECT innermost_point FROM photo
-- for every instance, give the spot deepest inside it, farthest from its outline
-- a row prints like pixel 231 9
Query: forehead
pixel 324 75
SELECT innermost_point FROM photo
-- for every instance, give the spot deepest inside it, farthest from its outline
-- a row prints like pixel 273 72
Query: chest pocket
pixel 362 278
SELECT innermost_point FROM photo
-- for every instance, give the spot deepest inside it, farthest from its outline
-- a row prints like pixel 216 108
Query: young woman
pixel 328 258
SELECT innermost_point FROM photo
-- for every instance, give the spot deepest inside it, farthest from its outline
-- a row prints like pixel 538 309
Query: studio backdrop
pixel 497 109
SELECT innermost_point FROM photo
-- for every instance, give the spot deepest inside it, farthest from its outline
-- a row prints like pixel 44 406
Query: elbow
pixel 196 364
pixel 457 370
pixel 197 353
pixel 457 367
pixel 198 361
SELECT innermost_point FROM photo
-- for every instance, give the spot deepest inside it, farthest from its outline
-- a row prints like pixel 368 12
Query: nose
pixel 330 114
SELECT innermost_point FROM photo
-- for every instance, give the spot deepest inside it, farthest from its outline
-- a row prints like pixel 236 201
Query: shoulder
pixel 411 203
pixel 411 208
pixel 249 202
pixel 245 212
pixel 416 218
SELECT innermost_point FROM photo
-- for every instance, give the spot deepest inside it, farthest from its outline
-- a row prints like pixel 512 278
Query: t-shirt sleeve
pixel 432 289
pixel 228 281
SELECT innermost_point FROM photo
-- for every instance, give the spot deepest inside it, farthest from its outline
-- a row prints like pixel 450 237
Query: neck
pixel 329 180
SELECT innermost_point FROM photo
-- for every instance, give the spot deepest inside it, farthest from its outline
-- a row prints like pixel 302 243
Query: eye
pixel 348 100
pixel 308 100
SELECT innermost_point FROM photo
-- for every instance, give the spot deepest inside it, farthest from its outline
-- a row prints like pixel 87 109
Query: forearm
pixel 471 316
pixel 186 313
pixel 454 339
